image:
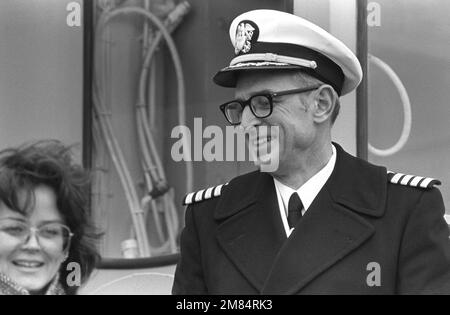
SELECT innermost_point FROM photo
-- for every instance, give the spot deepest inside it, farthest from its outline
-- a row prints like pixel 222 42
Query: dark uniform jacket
pixel 361 235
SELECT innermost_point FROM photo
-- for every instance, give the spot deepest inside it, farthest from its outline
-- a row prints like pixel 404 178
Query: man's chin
pixel 267 163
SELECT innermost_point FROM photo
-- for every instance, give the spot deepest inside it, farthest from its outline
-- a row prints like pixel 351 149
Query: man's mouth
pixel 262 140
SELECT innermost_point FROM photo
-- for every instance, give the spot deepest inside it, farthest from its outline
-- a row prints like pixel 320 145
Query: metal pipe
pixel 362 95
pixel 88 43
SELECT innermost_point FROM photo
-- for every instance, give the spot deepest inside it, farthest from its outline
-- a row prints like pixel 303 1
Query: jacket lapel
pixel 326 234
pixel 252 237
pixel 332 227
pixel 251 233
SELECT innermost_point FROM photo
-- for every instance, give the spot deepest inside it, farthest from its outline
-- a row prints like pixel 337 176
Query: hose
pixel 104 120
pixel 124 175
pixel 153 169
pixel 171 23
pixel 407 121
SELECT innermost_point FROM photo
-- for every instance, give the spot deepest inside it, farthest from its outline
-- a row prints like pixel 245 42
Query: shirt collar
pixel 309 190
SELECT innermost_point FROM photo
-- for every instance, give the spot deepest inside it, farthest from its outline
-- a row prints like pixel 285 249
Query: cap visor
pixel 228 76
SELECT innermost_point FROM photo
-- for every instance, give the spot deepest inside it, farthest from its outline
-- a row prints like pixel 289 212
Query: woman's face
pixel 32 262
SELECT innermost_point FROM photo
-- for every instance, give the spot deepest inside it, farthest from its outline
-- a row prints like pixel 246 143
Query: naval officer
pixel 322 222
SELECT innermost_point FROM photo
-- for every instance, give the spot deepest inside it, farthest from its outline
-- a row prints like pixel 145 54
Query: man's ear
pixel 325 100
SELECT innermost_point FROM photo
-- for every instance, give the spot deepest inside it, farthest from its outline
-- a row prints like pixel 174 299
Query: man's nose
pixel 248 119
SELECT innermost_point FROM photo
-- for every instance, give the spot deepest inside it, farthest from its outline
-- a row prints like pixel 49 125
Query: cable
pixel 104 120
pixel 407 121
pixel 179 74
pixel 124 175
pixel 168 205
pixel 154 172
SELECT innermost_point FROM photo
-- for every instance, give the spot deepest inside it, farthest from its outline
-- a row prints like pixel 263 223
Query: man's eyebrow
pixel 261 92
pixel 265 91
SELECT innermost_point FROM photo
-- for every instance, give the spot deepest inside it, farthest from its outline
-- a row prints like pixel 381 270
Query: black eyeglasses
pixel 261 105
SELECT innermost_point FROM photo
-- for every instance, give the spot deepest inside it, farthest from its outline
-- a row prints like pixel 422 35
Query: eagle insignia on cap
pixel 246 33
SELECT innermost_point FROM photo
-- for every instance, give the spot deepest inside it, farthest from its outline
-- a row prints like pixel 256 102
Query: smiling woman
pixel 44 223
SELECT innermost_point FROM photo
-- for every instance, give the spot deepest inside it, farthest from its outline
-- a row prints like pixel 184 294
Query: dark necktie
pixel 294 210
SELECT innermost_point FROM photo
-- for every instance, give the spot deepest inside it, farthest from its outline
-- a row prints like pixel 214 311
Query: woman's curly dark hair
pixel 50 163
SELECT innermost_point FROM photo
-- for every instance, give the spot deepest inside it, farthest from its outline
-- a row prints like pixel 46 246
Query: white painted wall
pixel 338 18
pixel 413 39
pixel 41 64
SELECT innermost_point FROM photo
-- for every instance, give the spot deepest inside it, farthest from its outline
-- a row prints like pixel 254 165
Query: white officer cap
pixel 269 39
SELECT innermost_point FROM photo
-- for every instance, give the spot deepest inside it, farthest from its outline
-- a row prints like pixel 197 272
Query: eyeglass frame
pixel 269 96
pixel 35 231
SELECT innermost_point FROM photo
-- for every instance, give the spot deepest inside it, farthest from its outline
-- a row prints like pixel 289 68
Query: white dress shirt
pixel 307 192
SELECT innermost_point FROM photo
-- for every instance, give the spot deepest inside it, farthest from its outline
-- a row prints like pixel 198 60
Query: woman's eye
pixel 50 232
pixel 14 230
